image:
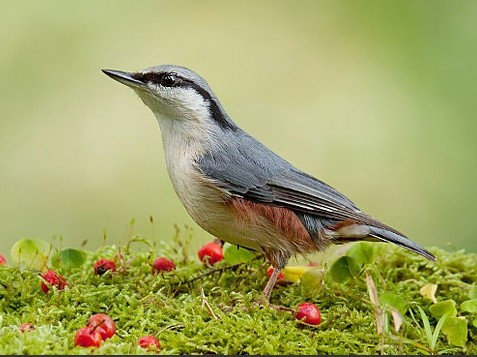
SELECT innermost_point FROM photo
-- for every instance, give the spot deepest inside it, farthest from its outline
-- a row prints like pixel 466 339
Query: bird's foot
pixel 263 301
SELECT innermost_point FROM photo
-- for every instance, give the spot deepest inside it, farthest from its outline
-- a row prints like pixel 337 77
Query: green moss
pixel 171 307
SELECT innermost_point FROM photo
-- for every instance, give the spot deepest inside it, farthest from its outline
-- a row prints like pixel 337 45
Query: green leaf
pixel 311 281
pixel 455 330
pixel 69 258
pixel 344 268
pixel 469 306
pixel 438 328
pixel 473 292
pixel 362 252
pixel 235 255
pixel 427 325
pixel 444 307
pixel 30 253
pixel 474 323
pixel 394 301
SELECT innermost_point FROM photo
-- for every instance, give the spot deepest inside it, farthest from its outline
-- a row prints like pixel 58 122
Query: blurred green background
pixel 376 98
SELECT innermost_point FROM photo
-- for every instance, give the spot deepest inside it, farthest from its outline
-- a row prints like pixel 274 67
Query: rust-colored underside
pixel 283 219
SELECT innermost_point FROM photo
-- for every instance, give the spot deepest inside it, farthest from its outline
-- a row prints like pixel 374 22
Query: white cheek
pixel 177 103
pixel 191 102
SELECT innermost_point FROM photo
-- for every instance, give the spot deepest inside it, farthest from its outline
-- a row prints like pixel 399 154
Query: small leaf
pixel 473 292
pixel 294 273
pixel 444 307
pixel 455 330
pixel 362 252
pixel 343 269
pixel 474 323
pixel 469 306
pixel 372 291
pixel 429 292
pixel 69 258
pixel 311 281
pixel 427 325
pixel 236 255
pixel 30 253
pixel 438 328
pixel 373 295
pixel 397 319
pixel 394 301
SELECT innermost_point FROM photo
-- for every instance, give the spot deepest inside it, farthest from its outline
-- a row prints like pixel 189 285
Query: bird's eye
pixel 169 80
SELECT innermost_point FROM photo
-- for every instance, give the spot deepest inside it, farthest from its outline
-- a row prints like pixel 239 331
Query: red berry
pixel 211 253
pixel 163 264
pixel 53 279
pixel 24 327
pixel 309 313
pixel 148 342
pixel 270 271
pixel 103 265
pixel 87 337
pixel 3 261
pixel 103 324
pixel 281 277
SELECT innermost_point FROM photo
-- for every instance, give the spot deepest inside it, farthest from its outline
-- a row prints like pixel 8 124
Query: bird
pixel 239 190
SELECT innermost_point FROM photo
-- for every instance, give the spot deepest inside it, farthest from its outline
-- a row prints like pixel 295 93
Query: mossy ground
pixel 174 311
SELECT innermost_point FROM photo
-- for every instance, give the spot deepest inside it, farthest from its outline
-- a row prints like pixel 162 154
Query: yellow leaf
pixel 294 273
pixel 429 292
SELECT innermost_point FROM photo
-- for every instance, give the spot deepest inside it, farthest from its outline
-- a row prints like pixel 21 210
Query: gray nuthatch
pixel 239 190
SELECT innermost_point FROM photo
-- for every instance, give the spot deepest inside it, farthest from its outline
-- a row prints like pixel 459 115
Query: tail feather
pixel 351 231
pixel 392 237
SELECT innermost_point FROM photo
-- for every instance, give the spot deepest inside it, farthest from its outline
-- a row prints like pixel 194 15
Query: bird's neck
pixel 183 139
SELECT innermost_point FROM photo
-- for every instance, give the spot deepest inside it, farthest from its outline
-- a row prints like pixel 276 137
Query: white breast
pixel 183 144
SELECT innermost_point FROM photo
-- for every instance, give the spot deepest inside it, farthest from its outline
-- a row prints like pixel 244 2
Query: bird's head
pixel 177 95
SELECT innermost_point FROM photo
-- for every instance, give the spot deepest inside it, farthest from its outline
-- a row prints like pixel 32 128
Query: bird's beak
pixel 125 78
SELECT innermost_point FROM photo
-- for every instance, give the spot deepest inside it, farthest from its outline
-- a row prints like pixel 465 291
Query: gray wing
pixel 249 170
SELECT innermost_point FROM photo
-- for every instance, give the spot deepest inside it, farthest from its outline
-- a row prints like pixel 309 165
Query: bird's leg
pixel 279 260
pixel 270 284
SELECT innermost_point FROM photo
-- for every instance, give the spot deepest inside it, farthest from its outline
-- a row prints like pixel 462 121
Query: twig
pixel 206 304
pixel 170 327
pixel 213 271
pixel 280 308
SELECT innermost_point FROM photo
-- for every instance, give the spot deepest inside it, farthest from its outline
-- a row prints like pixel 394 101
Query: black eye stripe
pixel 164 79
pixel 148 77
pixel 158 78
pixel 161 78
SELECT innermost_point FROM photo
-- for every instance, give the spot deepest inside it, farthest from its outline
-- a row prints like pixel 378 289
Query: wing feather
pixel 279 184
